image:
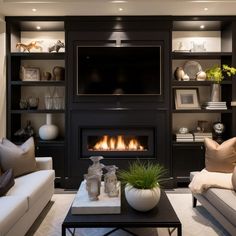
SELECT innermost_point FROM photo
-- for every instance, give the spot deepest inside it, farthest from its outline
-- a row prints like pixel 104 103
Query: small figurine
pixel 25 133
pixel 218 129
pixel 92 186
pixel 110 181
pixel 56 47
pixel 28 47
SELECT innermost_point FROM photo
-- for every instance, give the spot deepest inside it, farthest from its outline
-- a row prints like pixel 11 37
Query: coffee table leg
pixel 180 230
pixel 63 230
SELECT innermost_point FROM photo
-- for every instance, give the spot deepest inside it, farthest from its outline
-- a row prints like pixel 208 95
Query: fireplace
pixel 118 142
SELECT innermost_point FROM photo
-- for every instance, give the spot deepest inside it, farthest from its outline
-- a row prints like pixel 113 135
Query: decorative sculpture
pixel 110 180
pixel 28 47
pixel 57 46
pixel 94 178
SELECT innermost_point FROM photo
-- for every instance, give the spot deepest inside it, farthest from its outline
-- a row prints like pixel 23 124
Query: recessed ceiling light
pixel 205 9
pixel 202 26
pixel 120 9
pixel 38 27
pixel 34 9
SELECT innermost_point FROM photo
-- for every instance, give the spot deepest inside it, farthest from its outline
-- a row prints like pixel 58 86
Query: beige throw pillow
pixel 220 158
pixel 234 178
pixel 20 158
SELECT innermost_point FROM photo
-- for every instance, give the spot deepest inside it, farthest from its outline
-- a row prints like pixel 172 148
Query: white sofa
pixel 26 199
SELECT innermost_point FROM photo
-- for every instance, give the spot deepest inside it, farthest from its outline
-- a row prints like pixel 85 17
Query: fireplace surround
pixel 116 119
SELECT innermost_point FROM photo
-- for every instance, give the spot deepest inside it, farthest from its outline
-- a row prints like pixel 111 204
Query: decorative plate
pixel 191 68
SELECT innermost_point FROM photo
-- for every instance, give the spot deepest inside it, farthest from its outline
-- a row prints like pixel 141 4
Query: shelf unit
pixel 189 156
pixel 23 29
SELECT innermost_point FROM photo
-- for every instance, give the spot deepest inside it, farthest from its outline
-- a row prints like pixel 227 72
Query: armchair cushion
pixel 20 158
pixel 220 158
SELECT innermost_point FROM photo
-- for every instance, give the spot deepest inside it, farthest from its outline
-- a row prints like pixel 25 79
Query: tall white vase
pixel 48 131
pixel 215 93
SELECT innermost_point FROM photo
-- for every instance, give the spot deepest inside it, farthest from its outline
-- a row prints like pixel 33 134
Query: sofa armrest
pixel 44 163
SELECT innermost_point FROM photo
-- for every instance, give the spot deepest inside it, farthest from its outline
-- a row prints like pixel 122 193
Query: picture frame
pixel 29 73
pixel 187 99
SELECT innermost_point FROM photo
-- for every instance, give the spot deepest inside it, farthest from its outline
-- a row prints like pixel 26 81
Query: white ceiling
pixel 108 7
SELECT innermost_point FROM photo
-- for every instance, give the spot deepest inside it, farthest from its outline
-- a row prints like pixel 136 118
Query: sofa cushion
pixel 224 200
pixel 220 158
pixel 6 182
pixel 20 158
pixel 234 178
pixel 12 208
pixel 32 185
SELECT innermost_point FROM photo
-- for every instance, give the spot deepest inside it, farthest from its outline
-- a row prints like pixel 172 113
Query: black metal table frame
pixel 174 226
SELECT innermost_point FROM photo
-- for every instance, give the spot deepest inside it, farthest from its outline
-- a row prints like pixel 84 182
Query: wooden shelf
pixel 202 111
pixel 39 55
pixel 184 144
pixel 36 111
pixel 38 141
pixel 177 83
pixel 200 55
pixel 38 83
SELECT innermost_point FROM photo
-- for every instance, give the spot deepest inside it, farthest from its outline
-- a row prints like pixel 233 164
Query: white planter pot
pixel 48 131
pixel 142 199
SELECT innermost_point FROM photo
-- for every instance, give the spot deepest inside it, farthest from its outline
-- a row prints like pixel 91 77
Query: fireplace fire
pixel 118 143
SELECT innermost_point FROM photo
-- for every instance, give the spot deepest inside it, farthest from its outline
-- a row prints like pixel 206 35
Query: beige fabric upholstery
pixel 11 210
pixel 234 178
pixel 44 163
pixel 224 200
pixel 32 185
pixel 20 158
pixel 220 158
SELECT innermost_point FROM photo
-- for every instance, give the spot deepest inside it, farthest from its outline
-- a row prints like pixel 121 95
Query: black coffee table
pixel 162 216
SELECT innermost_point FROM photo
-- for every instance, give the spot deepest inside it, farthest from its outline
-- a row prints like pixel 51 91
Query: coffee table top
pixel 163 215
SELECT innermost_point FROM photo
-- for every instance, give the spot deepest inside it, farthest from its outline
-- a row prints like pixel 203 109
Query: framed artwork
pixel 187 99
pixel 29 73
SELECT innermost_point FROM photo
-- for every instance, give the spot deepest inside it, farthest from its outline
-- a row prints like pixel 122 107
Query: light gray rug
pixel 195 222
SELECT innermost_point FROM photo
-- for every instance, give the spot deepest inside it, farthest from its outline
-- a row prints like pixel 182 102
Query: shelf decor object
pixel 29 73
pixel 48 131
pixel 187 99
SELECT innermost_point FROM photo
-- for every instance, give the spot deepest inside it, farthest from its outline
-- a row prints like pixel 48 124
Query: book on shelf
pixel 188 137
pixel 214 106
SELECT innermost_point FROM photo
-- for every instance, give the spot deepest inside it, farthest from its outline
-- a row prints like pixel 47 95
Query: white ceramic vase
pixel 142 199
pixel 48 131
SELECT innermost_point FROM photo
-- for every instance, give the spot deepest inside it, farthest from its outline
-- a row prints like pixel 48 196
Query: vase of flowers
pixel 217 74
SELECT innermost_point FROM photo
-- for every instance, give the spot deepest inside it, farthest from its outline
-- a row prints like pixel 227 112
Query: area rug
pixel 195 221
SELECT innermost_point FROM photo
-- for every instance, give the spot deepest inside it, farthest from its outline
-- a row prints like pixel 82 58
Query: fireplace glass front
pixel 118 142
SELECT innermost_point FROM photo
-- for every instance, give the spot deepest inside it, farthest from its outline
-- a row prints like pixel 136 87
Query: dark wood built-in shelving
pixel 39 83
pixel 176 83
pixel 200 55
pixel 36 111
pixel 39 55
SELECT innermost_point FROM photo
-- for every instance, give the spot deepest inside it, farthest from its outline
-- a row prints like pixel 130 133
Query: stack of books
pixel 199 137
pixel 184 137
pixel 215 106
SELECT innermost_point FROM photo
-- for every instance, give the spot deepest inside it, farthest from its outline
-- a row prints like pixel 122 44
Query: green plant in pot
pixel 217 74
pixel 142 184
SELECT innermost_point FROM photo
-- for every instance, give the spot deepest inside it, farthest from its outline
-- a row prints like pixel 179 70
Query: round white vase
pixel 48 131
pixel 142 199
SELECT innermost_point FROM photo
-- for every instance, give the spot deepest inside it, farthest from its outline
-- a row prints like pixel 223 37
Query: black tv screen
pixel 119 70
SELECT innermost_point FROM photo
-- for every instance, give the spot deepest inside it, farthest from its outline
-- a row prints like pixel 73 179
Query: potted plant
pixel 217 74
pixel 142 184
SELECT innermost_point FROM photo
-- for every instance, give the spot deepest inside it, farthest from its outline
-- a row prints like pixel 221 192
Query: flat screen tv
pixel 119 70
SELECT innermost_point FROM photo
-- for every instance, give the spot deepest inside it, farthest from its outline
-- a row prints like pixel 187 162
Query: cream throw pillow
pixel 220 158
pixel 20 158
pixel 234 178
